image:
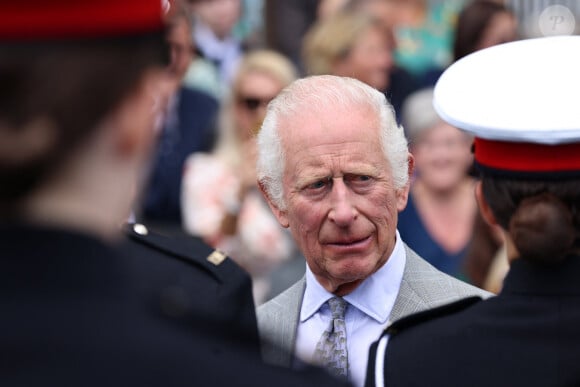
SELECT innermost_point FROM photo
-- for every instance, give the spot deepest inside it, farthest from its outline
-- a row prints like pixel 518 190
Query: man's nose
pixel 342 211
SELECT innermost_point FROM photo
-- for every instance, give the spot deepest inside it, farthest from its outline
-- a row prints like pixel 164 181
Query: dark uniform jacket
pixel 528 335
pixel 203 285
pixel 77 312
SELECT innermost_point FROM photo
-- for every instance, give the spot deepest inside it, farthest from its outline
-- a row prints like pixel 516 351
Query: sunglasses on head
pixel 253 103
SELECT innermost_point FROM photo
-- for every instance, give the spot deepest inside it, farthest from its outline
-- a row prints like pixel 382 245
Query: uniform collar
pixel 525 277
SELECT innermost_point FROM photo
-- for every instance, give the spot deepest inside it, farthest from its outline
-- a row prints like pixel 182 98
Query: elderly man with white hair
pixel 334 167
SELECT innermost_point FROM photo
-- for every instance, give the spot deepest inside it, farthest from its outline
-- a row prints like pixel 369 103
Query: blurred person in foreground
pixel 527 147
pixel 221 201
pixel 334 167
pixel 76 131
pixel 440 214
pixel 185 277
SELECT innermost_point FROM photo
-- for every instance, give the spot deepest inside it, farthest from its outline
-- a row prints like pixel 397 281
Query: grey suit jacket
pixel 422 287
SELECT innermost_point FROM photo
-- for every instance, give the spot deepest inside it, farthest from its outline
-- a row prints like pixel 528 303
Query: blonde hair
pixel 263 61
pixel 332 38
pixel 266 62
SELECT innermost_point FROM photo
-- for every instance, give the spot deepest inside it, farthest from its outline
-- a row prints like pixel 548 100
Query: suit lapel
pixel 292 304
pixel 278 320
pixel 424 287
pixel 410 298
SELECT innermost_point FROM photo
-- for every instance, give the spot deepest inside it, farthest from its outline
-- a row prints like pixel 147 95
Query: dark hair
pixel 541 216
pixel 73 85
pixel 480 253
pixel 472 22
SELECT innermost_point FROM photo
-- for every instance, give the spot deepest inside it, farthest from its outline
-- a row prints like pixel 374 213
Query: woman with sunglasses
pixel 220 199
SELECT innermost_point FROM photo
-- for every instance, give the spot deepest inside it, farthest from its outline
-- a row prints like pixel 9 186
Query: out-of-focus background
pixel 229 58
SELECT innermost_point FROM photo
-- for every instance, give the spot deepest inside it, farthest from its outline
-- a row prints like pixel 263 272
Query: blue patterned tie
pixel 331 351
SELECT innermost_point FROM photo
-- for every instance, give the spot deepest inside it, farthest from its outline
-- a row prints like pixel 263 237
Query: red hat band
pixel 23 20
pixel 527 157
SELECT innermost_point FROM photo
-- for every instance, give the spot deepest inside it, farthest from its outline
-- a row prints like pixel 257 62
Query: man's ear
pixel 484 209
pixel 403 193
pixel 280 214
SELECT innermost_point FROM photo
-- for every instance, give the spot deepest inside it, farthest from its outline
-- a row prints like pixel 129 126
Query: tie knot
pixel 337 307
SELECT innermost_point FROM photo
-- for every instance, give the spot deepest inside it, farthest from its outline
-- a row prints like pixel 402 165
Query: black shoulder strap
pixel 430 314
pixel 186 248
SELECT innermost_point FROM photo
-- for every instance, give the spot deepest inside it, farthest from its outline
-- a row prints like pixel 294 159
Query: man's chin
pixel 352 272
pixel 350 269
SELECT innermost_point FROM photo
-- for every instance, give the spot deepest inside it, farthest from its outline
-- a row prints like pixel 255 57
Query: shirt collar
pixel 375 296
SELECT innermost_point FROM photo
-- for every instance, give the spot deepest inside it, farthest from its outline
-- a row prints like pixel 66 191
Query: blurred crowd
pixel 371 167
pixel 229 58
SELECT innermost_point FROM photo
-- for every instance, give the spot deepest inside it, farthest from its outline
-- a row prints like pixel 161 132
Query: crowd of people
pixel 202 181
pixel 312 192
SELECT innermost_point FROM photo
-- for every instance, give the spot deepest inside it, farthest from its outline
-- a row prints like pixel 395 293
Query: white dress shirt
pixel 366 317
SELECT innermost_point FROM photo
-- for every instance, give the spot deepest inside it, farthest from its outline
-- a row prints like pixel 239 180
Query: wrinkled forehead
pixel 331 123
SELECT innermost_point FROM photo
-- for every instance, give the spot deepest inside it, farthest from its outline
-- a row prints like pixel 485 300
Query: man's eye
pixel 359 178
pixel 319 184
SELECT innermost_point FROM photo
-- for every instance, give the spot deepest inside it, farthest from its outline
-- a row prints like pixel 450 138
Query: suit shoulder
pixel 424 316
pixel 184 248
pixel 464 289
pixel 446 284
pixel 282 309
pixel 290 297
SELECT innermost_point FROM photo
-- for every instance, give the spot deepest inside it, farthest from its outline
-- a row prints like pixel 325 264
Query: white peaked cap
pixel 527 90
pixel 521 100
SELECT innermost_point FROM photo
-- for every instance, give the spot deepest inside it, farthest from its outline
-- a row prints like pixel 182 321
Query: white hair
pixel 314 94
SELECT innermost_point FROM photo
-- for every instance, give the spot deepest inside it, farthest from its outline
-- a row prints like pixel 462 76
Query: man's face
pixel 341 204
pixel 442 157
pixel 179 39
pixel 220 15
